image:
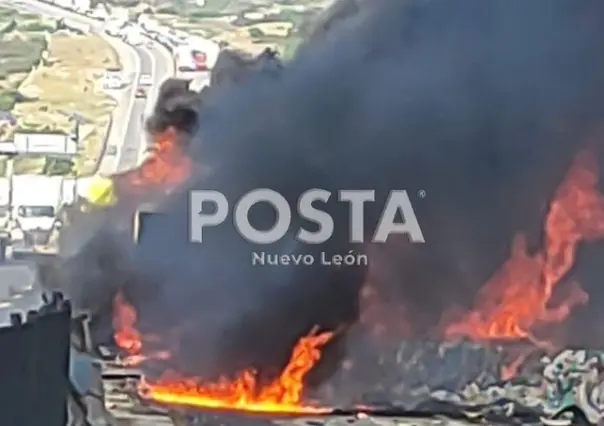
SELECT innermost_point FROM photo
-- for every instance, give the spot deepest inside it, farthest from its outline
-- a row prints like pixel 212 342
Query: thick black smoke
pixel 481 104
pixel 177 106
pixel 233 67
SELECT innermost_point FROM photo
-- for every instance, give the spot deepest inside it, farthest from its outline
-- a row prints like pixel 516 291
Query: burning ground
pixel 494 109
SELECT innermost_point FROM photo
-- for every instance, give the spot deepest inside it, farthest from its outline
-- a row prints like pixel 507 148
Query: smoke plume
pixel 481 104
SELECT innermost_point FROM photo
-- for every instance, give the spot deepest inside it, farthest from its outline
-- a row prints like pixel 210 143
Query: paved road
pixel 129 152
pixel 127 131
pixel 156 62
pixel 131 64
pixel 126 134
pixel 18 292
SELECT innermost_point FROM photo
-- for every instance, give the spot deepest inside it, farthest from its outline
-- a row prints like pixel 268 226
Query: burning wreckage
pixel 492 109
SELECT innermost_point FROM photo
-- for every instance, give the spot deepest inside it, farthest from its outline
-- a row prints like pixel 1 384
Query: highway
pixel 131 65
pixel 126 133
pixel 155 61
pixel 128 118
pixel 19 291
pixel 128 154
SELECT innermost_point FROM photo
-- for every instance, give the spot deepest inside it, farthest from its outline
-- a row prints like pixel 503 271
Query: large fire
pixel 515 301
pixel 514 304
pixel 283 395
pixel 166 167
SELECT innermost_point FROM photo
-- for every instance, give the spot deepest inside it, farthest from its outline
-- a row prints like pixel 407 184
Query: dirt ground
pixel 69 81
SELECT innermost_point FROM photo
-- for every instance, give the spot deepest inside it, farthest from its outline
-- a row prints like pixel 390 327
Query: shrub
pixel 9 27
pixel 37 27
pixel 58 166
pixel 289 47
pixel 17 56
pixel 6 13
pixel 16 48
pixel 7 100
pixel 167 10
pixel 202 14
pixel 255 32
pixel 124 3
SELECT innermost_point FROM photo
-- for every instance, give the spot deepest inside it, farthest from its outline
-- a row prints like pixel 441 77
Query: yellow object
pixel 101 192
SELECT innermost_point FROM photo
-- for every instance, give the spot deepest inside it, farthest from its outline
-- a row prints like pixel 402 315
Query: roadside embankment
pixel 68 81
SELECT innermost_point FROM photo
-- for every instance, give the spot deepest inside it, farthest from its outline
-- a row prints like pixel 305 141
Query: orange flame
pixel 165 169
pixel 513 303
pixel 124 320
pixel 127 337
pixel 167 166
pixel 516 299
pixel 283 395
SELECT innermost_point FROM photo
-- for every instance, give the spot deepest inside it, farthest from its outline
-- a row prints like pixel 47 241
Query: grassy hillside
pixel 250 25
pixel 45 75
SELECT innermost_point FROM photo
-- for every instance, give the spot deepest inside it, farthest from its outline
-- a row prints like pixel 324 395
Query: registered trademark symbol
pixel 421 193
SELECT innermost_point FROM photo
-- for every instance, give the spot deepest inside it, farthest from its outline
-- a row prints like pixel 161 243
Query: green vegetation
pixel 22 42
pixel 219 5
pixel 256 33
pixel 7 100
pixel 203 14
pixel 58 166
pixel 224 6
pixel 249 25
pixel 41 80
pixel 288 47
pixel 19 56
pixel 37 27
pixel 212 9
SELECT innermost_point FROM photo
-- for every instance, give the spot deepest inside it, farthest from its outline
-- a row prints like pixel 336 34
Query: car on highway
pixel 113 79
pixel 145 80
pixel 141 92
pixel 111 150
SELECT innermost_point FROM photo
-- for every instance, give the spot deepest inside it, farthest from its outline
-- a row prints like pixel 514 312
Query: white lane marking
pixel 149 103
pixel 158 79
pixel 167 58
pixel 137 71
pixel 154 89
